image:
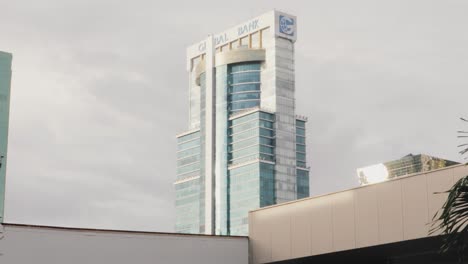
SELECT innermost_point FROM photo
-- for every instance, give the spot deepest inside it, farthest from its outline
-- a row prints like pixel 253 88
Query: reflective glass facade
pixel 5 83
pixel 187 185
pixel 302 171
pixel 251 147
pixel 244 86
pixel 251 155
pixel 409 164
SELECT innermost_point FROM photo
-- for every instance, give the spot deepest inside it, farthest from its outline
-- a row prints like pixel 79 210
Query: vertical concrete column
pixel 210 137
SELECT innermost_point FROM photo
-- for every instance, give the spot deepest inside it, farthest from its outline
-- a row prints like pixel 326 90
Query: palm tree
pixel 452 219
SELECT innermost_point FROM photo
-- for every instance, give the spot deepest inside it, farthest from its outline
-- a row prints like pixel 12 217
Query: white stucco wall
pixel 43 245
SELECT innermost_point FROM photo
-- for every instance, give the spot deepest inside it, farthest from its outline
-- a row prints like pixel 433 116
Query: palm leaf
pixel 451 220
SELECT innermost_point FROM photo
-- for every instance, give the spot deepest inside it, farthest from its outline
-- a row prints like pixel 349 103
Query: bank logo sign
pixel 286 25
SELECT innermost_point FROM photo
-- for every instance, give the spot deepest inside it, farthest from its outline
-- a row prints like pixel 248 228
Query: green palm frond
pixel 451 220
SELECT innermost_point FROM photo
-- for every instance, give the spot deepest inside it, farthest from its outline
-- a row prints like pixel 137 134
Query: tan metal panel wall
pixel 396 210
pixel 415 210
pixel 367 220
pixel 343 221
pixel 321 226
pixel 389 211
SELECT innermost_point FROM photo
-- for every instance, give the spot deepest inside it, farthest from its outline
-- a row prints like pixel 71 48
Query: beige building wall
pixel 392 211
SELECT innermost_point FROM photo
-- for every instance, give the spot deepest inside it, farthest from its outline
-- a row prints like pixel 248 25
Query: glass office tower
pixel 408 164
pixel 5 83
pixel 245 147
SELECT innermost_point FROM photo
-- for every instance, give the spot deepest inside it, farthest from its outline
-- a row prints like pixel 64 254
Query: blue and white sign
pixel 286 25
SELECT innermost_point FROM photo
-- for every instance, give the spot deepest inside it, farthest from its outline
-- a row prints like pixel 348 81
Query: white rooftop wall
pixel 376 214
pixel 43 245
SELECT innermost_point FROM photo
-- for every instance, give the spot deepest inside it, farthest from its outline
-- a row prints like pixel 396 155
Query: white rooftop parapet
pixel 396 210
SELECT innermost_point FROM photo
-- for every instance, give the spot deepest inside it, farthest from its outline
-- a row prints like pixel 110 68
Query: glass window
pixel 188 137
pixel 189 144
pixel 188 160
pixel 188 168
pixel 244 119
pixel 244 152
pixel 301 164
pixel 244 135
pixel 266 124
pixel 244 96
pixel 267 141
pixel 301 148
pixel 242 127
pixel 300 156
pixel 245 87
pixel 300 140
pixel 265 149
pixel 267 116
pixel 187 152
pixel 243 105
pixel 300 131
pixel 242 144
pixel 267 157
pixel 245 77
pixel 300 123
pixel 245 67
pixel 266 132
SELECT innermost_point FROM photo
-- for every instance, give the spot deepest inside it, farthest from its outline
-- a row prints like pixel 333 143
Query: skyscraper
pixel 5 83
pixel 408 164
pixel 245 147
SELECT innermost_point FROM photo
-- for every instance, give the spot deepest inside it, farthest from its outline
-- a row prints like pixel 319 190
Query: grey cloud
pixel 99 93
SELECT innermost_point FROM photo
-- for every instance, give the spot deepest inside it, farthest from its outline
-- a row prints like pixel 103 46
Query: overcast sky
pixel 99 91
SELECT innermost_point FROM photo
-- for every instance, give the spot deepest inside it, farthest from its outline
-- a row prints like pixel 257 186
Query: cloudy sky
pixel 99 92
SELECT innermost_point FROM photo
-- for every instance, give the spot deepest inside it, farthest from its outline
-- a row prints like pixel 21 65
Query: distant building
pixel 409 164
pixel 5 83
pixel 245 147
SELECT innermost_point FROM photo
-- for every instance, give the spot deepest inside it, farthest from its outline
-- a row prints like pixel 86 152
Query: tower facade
pixel 5 83
pixel 245 147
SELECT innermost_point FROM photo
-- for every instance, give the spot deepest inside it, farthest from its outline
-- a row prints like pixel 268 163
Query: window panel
pixel 301 148
pixel 245 67
pixel 244 96
pixel 301 156
pixel 187 152
pixel 245 77
pixel 300 123
pixel 244 104
pixel 300 131
pixel 300 139
pixel 267 141
pixel 189 144
pixel 244 87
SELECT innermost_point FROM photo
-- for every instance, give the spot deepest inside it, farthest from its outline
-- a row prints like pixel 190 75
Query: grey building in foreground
pixel 58 245
pixel 5 83
pixel 245 145
pixel 408 164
